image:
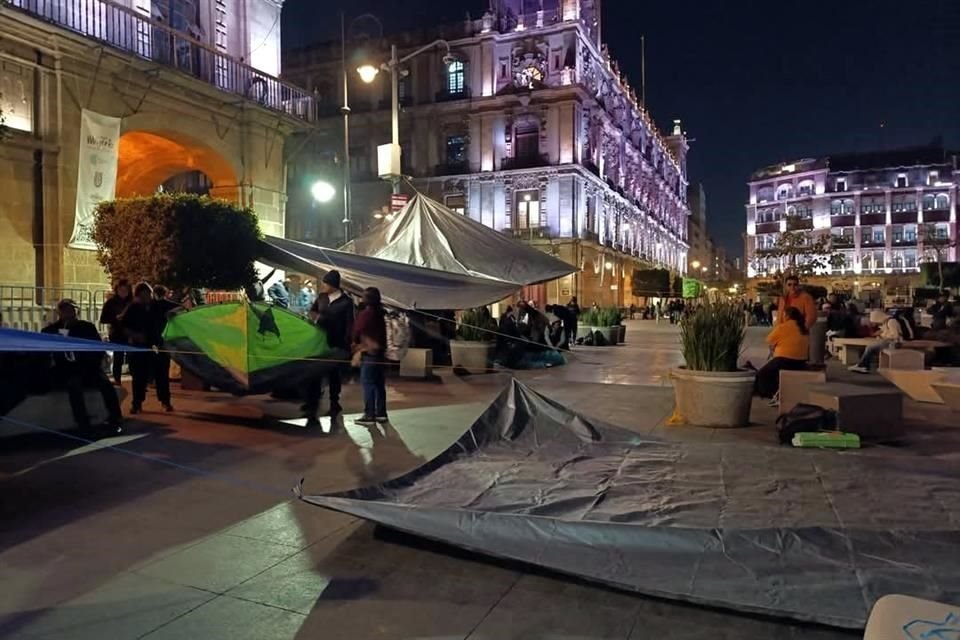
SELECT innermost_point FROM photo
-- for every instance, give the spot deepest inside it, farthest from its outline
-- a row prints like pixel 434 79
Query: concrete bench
pixel 871 413
pixel 903 359
pixel 918 385
pixel 795 387
pixel 949 393
pixel 850 350
pixel 52 411
pixel 417 363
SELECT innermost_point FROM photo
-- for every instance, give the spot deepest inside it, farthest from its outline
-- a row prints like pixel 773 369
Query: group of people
pixel 524 328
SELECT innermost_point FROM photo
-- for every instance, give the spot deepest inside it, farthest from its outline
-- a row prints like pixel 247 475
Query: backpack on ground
pixel 398 335
pixel 805 418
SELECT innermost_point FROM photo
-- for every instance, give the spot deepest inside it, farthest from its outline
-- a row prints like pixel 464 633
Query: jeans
pixel 77 381
pixel 871 351
pixel 767 383
pixel 142 365
pixel 374 385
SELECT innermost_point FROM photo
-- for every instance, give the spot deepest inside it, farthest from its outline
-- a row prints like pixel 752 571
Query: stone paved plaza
pixel 209 543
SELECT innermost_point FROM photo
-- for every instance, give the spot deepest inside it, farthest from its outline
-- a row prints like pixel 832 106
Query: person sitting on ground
pixel 890 333
pixel 790 341
pixel 562 315
pixel 77 370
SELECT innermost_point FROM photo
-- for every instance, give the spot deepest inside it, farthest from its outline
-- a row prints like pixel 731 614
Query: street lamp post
pixel 347 191
pixel 368 73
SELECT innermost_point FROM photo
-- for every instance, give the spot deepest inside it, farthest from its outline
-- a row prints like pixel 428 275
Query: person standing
pixel 573 317
pixel 942 312
pixel 114 306
pixel 80 369
pixel 144 321
pixel 332 311
pixel 369 339
pixel 794 296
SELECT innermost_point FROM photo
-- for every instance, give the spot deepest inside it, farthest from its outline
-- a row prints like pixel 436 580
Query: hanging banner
pixel 97 172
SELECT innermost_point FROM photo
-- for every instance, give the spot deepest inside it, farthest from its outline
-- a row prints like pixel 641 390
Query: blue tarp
pixel 17 340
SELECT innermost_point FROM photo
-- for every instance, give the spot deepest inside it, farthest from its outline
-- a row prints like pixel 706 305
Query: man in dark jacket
pixel 110 316
pixel 80 369
pixel 144 321
pixel 332 311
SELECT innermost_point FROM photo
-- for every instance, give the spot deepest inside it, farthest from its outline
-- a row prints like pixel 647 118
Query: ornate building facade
pixel 195 85
pixel 527 126
pixel 883 213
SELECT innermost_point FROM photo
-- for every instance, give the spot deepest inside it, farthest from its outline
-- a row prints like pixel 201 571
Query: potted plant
pixel 615 318
pixel 711 391
pixel 476 338
pixel 607 320
pixel 585 323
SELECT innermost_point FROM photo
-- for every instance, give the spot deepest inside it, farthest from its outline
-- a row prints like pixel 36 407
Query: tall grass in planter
pixel 712 337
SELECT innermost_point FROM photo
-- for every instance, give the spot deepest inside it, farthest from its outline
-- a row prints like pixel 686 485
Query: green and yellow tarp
pixel 247 348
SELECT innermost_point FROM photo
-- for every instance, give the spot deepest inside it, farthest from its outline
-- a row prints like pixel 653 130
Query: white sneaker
pixel 858 369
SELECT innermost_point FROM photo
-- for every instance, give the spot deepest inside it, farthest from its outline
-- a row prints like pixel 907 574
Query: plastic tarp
pixel 402 286
pixel 245 348
pixel 29 341
pixel 425 233
pixel 816 536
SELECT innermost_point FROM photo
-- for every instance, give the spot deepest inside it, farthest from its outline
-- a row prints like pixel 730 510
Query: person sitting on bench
pixel 890 332
pixel 790 341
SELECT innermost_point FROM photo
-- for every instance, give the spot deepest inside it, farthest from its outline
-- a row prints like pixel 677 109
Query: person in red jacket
pixel 794 296
pixel 369 345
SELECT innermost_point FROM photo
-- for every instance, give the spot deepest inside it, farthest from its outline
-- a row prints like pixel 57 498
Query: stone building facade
pixel 529 128
pixel 195 82
pixel 883 212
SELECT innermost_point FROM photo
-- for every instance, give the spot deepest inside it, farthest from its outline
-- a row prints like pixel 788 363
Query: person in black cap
pixel 332 311
pixel 80 369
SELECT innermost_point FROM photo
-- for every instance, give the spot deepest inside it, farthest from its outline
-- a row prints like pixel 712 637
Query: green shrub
pixel 589 318
pixel 711 337
pixel 477 325
pixel 179 240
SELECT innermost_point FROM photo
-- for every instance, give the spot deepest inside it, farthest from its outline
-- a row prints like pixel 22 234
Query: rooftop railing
pixel 149 39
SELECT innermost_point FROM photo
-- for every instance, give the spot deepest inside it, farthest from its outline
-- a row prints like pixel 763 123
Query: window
pixel 456 78
pixel 841 184
pixel 456 151
pixel 910 232
pixel 902 181
pixel 526 143
pixel 942 201
pixel 784 191
pixel 903 204
pixel 910 259
pixel 220 41
pixel 805 188
pixel 877 236
pixel 932 178
pixel 528 209
pixel 456 202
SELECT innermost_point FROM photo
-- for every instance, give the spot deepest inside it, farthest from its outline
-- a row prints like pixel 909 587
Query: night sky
pixel 754 82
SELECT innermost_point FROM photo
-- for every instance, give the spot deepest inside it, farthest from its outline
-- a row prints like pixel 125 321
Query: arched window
pixel 456 78
pixel 942 201
pixel 805 188
pixel 765 194
pixel 784 191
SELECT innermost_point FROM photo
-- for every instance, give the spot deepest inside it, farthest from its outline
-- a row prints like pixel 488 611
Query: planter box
pixel 713 399
pixel 475 357
pixel 609 333
pixel 621 334
pixel 583 331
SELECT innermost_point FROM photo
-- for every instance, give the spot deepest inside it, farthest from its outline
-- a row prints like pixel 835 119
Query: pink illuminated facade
pixel 882 211
pixel 532 130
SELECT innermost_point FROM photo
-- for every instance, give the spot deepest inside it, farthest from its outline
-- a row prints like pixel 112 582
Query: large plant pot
pixel 621 334
pixel 475 357
pixel 583 331
pixel 609 334
pixel 713 399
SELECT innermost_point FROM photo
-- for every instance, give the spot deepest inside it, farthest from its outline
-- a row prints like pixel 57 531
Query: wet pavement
pixel 190 529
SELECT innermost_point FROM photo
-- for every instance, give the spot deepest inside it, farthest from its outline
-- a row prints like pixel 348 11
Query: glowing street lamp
pixel 322 191
pixel 695 264
pixel 368 73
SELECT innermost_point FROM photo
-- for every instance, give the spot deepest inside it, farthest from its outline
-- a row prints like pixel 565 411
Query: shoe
pixel 335 409
pixel 112 428
pixel 366 421
pixel 168 407
pixel 382 419
pixel 135 409
pixel 858 369
pixel 313 422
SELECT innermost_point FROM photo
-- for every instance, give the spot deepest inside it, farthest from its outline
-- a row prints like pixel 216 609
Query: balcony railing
pixel 450 96
pixel 841 242
pixel 451 169
pixel 525 162
pixel 143 37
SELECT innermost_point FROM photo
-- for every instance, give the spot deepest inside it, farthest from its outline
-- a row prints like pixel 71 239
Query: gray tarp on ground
pixel 812 535
pixel 402 286
pixel 425 233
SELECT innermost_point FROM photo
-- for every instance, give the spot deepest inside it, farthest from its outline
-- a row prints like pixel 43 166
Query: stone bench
pixel 417 363
pixel 949 393
pixel 902 359
pixel 52 411
pixel 871 413
pixel 795 387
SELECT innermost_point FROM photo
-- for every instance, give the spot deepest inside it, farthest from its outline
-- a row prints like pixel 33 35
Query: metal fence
pixel 32 308
pixel 150 39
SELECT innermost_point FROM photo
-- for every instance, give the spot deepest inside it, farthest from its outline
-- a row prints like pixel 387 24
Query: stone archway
pixel 149 159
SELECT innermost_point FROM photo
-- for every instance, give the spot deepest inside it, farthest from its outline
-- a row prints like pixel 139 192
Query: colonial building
pixel 521 120
pixel 195 84
pixel 883 213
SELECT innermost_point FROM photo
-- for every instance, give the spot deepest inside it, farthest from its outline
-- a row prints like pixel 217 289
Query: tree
pixel 937 247
pixel 802 254
pixel 179 240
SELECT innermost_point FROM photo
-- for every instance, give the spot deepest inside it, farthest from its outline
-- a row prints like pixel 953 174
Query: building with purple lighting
pixel 531 130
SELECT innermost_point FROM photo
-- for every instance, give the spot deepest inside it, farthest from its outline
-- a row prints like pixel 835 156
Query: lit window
pixel 902 181
pixel 932 178
pixel 528 209
pixel 456 78
pixel 841 184
pixel 456 150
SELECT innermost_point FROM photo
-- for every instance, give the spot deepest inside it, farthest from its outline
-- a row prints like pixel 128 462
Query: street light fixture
pixel 695 264
pixel 322 191
pixel 368 73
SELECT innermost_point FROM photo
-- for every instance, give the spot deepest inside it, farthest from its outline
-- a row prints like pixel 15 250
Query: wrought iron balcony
pixel 139 35
pixel 525 162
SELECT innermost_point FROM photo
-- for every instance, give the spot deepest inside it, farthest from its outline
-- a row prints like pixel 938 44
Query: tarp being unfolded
pixel 401 285
pixel 29 341
pixel 425 233
pixel 815 536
